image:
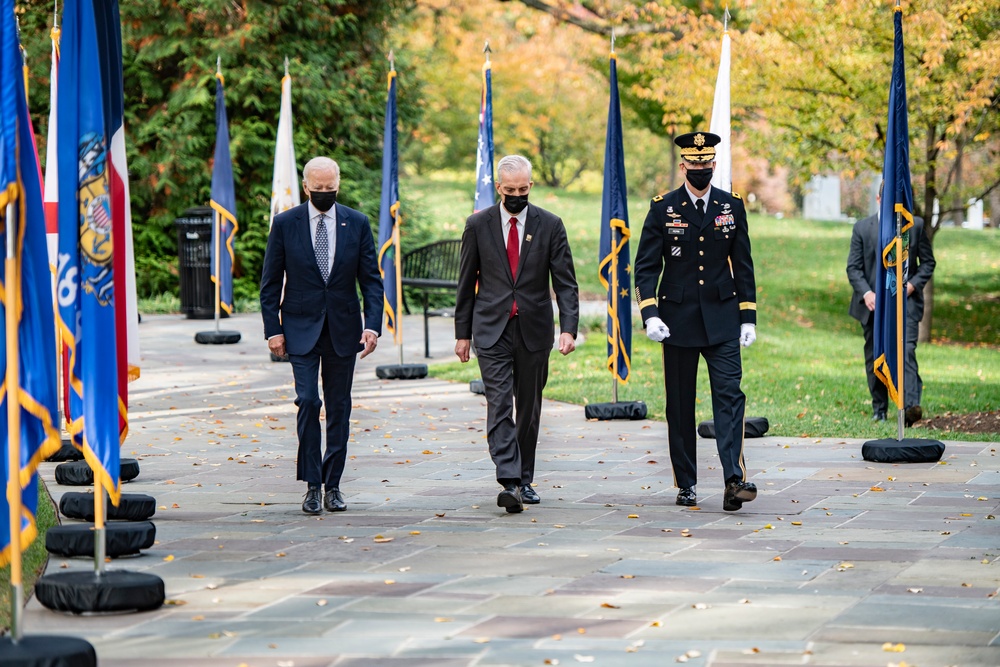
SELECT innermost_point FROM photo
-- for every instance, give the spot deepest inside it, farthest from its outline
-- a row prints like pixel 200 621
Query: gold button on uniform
pixel 701 268
pixel 701 282
pixel 701 238
pixel 701 252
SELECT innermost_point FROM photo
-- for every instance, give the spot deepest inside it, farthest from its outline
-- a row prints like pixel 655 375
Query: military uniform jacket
pixel 696 275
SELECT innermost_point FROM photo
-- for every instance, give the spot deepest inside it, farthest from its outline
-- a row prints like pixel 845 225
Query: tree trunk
pixel 924 331
pixel 959 204
pixel 930 186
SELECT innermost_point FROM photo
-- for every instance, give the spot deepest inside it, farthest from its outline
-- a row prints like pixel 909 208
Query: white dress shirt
pixel 331 228
pixel 505 221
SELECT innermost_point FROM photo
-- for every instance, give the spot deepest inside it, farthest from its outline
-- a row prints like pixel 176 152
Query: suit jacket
pixel 482 314
pixel 861 266
pixel 290 262
pixel 707 289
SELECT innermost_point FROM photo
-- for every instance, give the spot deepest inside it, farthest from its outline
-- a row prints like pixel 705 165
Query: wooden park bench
pixel 428 270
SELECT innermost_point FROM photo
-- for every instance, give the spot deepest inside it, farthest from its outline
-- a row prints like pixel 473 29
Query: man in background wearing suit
pixel 321 252
pixel 861 270
pixel 697 238
pixel 503 302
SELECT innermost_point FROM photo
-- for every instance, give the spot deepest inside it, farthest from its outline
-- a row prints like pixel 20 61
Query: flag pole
pixel 901 332
pixel 396 258
pixel 13 426
pixel 216 220
pixel 616 332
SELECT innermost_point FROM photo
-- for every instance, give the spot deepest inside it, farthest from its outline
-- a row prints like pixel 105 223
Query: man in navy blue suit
pixel 321 253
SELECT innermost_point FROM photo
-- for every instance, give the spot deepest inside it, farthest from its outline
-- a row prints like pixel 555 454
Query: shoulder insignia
pixel 736 194
pixel 658 198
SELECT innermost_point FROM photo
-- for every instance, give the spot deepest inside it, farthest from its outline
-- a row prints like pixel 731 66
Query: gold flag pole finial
pixel 612 39
pixel 487 50
pixel 218 64
pixel 392 60
pixel 286 65
pixel 725 20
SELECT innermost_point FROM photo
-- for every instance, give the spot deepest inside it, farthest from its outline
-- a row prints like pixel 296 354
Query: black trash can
pixel 194 250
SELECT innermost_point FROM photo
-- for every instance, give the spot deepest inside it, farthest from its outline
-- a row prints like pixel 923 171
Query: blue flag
pixel 614 258
pixel 897 197
pixel 485 192
pixel 223 203
pixel 24 216
pixel 85 281
pixel 388 216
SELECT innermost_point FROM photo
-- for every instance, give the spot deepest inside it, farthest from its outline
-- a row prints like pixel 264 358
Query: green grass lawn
pixel 33 561
pixel 805 373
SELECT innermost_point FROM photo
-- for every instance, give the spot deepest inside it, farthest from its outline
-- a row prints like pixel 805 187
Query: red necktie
pixel 513 254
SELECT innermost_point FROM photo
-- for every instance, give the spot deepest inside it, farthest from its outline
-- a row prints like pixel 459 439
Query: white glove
pixel 748 334
pixel 656 329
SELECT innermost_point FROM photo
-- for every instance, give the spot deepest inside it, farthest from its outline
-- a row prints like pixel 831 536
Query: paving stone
pixel 214 430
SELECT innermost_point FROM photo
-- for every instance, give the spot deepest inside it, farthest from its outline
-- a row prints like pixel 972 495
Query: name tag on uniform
pixel 675 232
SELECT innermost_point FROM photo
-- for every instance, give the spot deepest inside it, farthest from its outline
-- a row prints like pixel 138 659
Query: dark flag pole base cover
pixel 47 651
pixel 66 453
pixel 89 592
pixel 131 507
pixel 633 410
pixel 477 387
pixel 217 337
pixel 122 538
pixel 401 372
pixel 78 473
pixel 753 427
pixel 907 450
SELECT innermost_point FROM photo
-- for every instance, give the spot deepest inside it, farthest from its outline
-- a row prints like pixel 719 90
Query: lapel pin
pixel 527 237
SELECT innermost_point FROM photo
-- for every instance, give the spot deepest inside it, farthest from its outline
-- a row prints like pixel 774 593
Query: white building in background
pixel 821 200
pixel 974 214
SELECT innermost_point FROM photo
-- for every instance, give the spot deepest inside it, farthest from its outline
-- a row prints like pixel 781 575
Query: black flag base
pixel 477 387
pixel 217 337
pixel 907 450
pixel 67 452
pixel 401 372
pixel 78 473
pixel 131 507
pixel 633 410
pixel 47 651
pixel 90 592
pixel 121 538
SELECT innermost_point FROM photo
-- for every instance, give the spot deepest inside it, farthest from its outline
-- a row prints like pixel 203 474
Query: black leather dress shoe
pixel 510 500
pixel 737 493
pixel 312 504
pixel 878 416
pixel 687 497
pixel 528 495
pixel 912 415
pixel 333 501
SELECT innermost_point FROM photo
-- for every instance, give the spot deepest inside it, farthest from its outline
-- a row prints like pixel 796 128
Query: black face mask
pixel 699 178
pixel 323 201
pixel 515 203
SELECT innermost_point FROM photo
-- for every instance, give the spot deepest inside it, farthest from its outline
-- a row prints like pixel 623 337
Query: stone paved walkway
pixel 836 561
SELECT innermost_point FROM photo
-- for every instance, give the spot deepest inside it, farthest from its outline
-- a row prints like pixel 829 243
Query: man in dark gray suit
pixel 861 271
pixel 509 253
pixel 318 255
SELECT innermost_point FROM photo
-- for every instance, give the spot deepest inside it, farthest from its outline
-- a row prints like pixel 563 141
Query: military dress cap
pixel 698 146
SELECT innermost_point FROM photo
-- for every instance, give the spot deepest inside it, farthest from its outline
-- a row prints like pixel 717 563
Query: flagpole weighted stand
pixel 901 449
pixel 217 337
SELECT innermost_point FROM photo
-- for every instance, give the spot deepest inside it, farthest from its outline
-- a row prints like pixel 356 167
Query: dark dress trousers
pixel 861 271
pixel 513 352
pixel 322 325
pixel 696 274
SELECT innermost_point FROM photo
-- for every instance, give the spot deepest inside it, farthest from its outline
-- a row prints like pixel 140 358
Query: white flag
pixel 51 187
pixel 285 185
pixel 723 178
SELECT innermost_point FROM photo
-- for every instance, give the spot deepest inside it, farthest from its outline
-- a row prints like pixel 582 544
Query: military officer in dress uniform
pixel 695 286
